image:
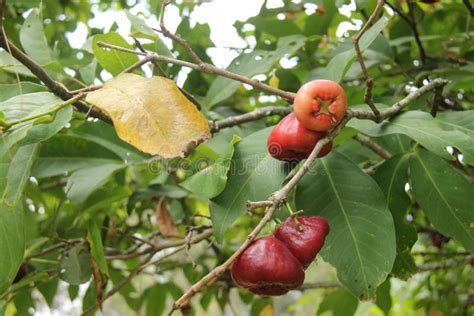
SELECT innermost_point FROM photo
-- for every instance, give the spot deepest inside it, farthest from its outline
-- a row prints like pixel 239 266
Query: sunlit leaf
pixel 33 39
pixel 112 60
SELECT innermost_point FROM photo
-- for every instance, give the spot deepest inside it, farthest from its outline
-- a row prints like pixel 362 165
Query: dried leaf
pixel 164 221
pixel 152 114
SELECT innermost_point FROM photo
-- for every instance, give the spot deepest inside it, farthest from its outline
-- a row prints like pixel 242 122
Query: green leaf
pixel 35 130
pixel 340 64
pixel 46 130
pixel 14 173
pixel 8 91
pixel 25 105
pixel 12 65
pixel 113 60
pixel 88 72
pixel 319 24
pixel 63 153
pixel 340 302
pixel 156 299
pixel 73 291
pixel 139 28
pixel 127 291
pixel 384 301
pixel 49 289
pixel 251 64
pixel 253 175
pixel 83 182
pixel 97 248
pixel 391 178
pixel 430 132
pixel 33 40
pixel 361 243
pixel 211 181
pixel 445 196
pixel 273 26
pixel 75 266
pixel 17 175
pixel 462 121
pixel 105 135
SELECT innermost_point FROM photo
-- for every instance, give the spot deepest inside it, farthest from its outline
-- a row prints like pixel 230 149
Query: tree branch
pixel 411 22
pixel 210 69
pixel 367 142
pixel 369 82
pixel 55 87
pixel 448 264
pixel 397 107
pixel 176 38
pixel 248 117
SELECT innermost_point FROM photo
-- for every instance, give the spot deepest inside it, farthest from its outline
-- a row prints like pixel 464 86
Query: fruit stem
pixel 294 215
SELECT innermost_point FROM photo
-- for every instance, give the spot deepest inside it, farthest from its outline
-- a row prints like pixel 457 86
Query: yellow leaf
pixel 152 114
pixel 267 311
pixel 274 80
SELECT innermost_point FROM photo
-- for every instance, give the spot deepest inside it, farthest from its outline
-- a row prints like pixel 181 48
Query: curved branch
pixel 397 107
pixel 210 69
pixel 248 117
pixel 55 87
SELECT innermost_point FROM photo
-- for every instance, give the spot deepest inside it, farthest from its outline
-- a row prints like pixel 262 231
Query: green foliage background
pixel 70 181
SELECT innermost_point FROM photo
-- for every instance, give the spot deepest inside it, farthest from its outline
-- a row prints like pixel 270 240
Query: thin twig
pixel 248 117
pixel 210 69
pixel 160 246
pixel 138 64
pixel 52 248
pixel 412 23
pixel 367 142
pixel 438 100
pixel 440 254
pixel 369 82
pixel 397 107
pixel 451 263
pixel 155 63
pixel 176 38
pixel 253 205
pixel 411 12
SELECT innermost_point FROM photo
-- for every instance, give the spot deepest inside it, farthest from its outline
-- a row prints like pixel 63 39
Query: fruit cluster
pixel 274 265
pixel 319 106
